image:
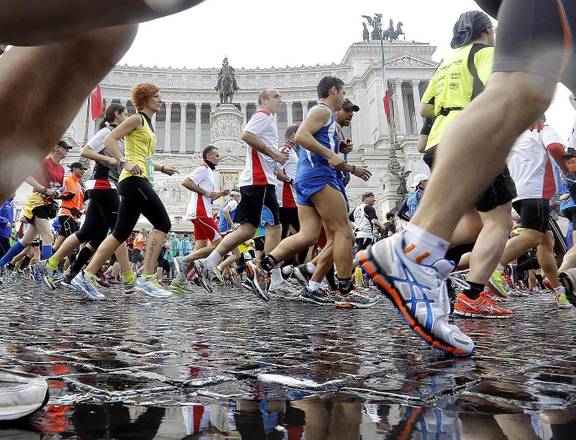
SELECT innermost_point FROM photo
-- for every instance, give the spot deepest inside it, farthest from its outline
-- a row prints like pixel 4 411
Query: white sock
pixel 429 248
pixel 276 277
pixel 310 267
pixel 213 259
pixel 313 285
pixel 287 270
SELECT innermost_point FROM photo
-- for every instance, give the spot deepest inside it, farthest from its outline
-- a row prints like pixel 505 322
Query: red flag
pixel 96 102
pixel 387 106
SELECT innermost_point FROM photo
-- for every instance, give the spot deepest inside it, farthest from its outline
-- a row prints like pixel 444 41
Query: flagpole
pixel 87 119
pixel 385 91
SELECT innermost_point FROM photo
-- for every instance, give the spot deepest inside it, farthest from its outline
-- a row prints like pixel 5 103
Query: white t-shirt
pixel 111 172
pixel 285 193
pixel 201 206
pixel 260 169
pixel 530 163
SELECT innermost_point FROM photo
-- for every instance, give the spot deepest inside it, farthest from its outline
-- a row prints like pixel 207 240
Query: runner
pixel 71 209
pixel 257 187
pixel 6 224
pixel 206 234
pixel 321 201
pixel 77 44
pixel 138 196
pixel 365 218
pixel 41 206
pixel 534 50
pixel 102 211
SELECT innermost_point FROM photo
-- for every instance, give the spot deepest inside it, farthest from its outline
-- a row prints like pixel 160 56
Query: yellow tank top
pixel 140 147
pixel 452 86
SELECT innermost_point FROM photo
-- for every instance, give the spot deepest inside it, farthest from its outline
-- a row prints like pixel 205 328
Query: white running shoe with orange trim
pixel 418 291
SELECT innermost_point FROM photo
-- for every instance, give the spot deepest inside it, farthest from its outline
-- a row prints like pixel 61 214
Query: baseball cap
pixel 234 193
pixel 367 194
pixel 64 144
pixel 349 105
pixel 77 165
pixel 418 179
pixel 570 152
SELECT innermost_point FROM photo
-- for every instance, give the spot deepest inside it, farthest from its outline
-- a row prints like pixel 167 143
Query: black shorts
pixel 44 212
pixel 289 218
pixel 502 190
pixel 253 199
pixel 535 36
pixel 363 243
pixel 534 213
pixel 68 226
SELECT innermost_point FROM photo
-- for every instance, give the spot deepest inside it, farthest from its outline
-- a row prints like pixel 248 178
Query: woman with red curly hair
pixel 138 195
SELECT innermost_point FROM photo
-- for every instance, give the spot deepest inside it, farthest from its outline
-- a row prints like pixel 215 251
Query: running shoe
pixel 482 307
pixel 499 283
pixel 418 291
pixel 67 282
pixel 180 267
pixel 318 296
pixel 562 300
pixel 355 300
pixel 301 273
pixel 204 274
pixel 36 273
pixel 256 281
pixel 151 286
pixel 218 274
pixel 568 280
pixel 129 288
pixel 101 279
pixel 180 286
pixel 285 290
pixel 87 283
pixel 48 275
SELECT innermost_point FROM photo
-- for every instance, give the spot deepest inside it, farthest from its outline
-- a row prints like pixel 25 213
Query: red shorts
pixel 206 229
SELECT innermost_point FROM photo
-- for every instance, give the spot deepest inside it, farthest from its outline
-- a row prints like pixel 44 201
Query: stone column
pixel 198 130
pixel 304 109
pixel 244 107
pixel 168 127
pixel 289 115
pixel 213 106
pixel 400 106
pixel 183 127
pixel 417 104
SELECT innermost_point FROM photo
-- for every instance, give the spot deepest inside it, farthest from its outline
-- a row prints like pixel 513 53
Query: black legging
pixel 138 197
pixel 100 217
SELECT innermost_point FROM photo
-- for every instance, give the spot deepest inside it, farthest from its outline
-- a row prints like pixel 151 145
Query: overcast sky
pixel 268 33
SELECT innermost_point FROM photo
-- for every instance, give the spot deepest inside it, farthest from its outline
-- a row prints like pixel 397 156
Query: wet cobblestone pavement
pixel 228 366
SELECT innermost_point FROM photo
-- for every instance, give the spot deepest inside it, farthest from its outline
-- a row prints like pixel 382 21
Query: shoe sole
pixel 477 316
pixel 48 283
pixel 254 287
pixel 349 305
pixel 201 280
pixel 386 287
pixel 309 300
pixel 145 292
pixel 69 286
pixel 300 277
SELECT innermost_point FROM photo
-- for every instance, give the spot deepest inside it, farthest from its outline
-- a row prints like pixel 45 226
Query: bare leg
pixel 233 240
pixel 569 260
pixel 27 23
pixel 545 254
pixel 324 263
pixel 66 248
pixel 465 164
pixel 331 207
pixel 153 248
pixel 490 244
pixel 273 237
pixel 310 224
pixel 516 246
pixel 62 74
pixel 468 229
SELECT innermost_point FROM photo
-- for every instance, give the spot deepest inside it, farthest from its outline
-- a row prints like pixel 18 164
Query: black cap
pixel 63 144
pixel 367 194
pixel 570 152
pixel 77 165
pixel 349 105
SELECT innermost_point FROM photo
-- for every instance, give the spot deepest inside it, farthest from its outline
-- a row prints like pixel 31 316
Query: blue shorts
pixel 306 188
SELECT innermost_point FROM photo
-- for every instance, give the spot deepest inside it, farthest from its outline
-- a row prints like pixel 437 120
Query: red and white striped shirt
pixel 201 206
pixel 285 193
pixel 260 169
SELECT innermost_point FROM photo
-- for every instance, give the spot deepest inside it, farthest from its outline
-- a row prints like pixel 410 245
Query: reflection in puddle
pixel 341 417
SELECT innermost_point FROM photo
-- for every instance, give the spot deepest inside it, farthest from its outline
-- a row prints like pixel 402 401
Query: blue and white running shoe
pixel 417 290
pixel 87 283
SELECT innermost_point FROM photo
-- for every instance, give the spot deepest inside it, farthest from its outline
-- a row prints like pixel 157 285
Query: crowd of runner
pixel 481 228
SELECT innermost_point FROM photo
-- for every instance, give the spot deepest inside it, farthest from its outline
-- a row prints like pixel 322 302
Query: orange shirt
pixel 72 184
pixel 139 242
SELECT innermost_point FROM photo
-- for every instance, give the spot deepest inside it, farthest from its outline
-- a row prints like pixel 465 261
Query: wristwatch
pixel 123 160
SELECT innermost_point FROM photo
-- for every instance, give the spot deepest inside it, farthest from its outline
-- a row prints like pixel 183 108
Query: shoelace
pixel 456 281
